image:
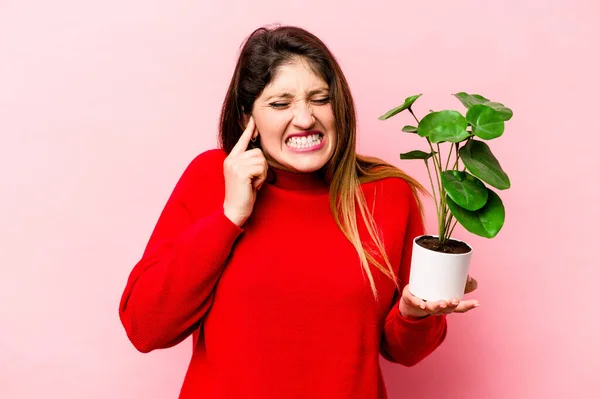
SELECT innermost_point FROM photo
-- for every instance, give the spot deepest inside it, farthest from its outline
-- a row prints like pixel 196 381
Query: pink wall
pixel 102 105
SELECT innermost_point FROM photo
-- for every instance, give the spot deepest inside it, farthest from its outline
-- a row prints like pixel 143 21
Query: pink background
pixel 103 104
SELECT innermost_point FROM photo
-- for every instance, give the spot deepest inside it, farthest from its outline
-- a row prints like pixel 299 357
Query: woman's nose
pixel 303 116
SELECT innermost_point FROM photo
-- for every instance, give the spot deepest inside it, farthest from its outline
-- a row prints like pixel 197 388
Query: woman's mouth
pixel 311 142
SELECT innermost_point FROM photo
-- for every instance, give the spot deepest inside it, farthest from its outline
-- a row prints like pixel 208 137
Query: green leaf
pixel 487 122
pixel 444 126
pixel 480 161
pixel 485 222
pixel 504 112
pixel 416 155
pixel 409 129
pixel 465 189
pixel 468 100
pixel 407 104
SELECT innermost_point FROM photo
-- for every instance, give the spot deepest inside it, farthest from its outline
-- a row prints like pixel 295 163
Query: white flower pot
pixel 436 275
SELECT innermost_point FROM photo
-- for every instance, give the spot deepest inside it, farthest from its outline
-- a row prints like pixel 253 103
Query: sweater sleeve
pixel 405 341
pixel 171 287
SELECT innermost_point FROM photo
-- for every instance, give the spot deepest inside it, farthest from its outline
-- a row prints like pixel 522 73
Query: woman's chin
pixel 307 164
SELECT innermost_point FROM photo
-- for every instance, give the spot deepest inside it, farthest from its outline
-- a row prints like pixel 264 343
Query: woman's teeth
pixel 305 141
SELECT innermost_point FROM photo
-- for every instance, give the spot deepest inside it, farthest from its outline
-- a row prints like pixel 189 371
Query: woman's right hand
pixel 245 172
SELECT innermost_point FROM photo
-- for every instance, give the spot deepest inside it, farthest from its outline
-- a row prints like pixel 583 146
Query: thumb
pixel 471 285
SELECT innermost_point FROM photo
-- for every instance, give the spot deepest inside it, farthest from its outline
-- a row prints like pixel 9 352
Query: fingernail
pixel 476 305
pixel 469 279
pixel 422 305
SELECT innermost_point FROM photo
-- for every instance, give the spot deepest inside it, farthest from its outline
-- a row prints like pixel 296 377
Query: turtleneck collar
pixel 297 181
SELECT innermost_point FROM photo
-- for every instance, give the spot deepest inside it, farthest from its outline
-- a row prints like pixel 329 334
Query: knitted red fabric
pixel 279 308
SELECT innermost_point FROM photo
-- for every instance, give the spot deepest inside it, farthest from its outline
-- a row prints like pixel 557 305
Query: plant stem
pixel 436 168
pixel 447 225
pixel 452 229
pixel 441 206
pixel 432 188
pixel 457 154
pixel 449 155
pixel 457 157
pixel 443 211
pixel 440 209
pixel 455 167
pixel 437 165
pixel 412 113
pixel 439 152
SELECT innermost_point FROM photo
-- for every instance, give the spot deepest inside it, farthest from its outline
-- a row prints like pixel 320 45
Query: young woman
pixel 284 253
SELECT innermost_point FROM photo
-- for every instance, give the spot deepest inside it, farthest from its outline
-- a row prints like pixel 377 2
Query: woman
pixel 283 253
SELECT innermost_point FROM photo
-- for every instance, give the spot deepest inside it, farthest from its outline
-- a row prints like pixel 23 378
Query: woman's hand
pixel 414 308
pixel 245 172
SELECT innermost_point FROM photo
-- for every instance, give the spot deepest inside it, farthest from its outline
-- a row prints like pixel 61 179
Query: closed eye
pixel 280 105
pixel 322 100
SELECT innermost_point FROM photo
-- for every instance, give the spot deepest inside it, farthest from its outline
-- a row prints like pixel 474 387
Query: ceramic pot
pixel 436 275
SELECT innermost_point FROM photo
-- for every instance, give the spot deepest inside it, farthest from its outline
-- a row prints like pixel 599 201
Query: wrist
pixel 413 317
pixel 235 218
pixel 411 313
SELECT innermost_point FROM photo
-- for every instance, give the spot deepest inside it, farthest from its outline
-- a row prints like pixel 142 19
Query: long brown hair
pixel 261 54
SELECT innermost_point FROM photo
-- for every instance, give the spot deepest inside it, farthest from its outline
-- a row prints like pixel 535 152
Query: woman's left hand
pixel 412 307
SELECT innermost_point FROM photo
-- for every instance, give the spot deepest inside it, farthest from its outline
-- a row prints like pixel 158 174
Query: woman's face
pixel 294 119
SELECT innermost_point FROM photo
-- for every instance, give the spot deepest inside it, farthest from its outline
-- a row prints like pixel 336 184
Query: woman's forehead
pixel 294 81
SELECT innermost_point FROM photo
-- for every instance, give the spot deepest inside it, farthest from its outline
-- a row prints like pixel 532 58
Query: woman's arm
pixel 171 288
pixel 407 340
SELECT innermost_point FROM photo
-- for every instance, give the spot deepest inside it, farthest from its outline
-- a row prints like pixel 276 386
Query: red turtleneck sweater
pixel 279 308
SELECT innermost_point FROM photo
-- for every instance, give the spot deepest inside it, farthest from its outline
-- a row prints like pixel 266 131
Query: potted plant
pixel 440 263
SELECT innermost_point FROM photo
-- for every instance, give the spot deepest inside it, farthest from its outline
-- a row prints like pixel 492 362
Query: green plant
pixel 462 194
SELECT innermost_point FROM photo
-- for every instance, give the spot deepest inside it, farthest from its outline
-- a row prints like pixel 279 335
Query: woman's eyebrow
pixel 289 95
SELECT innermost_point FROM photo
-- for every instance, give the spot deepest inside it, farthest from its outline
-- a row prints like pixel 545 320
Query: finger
pixel 242 144
pixel 264 176
pixel 258 181
pixel 255 153
pixel 451 306
pixel 444 307
pixel 465 306
pixel 258 175
pixel 411 299
pixel 471 285
pixel 437 307
pixel 240 168
pixel 431 307
pixel 254 171
pixel 253 163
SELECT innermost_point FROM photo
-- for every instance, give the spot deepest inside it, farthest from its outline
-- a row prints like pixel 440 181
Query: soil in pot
pixel 451 246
